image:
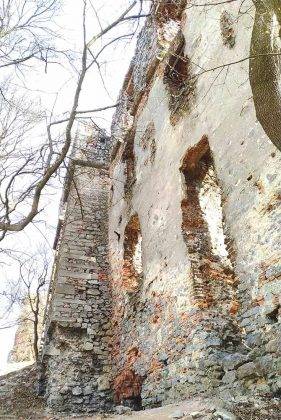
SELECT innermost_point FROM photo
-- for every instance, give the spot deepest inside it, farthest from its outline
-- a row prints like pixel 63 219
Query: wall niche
pixel 179 82
pixel 132 270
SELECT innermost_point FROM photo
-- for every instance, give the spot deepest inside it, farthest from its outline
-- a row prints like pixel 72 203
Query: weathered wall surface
pixel 76 351
pixel 184 321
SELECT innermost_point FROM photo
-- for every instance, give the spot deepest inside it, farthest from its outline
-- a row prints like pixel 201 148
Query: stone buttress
pixel 77 325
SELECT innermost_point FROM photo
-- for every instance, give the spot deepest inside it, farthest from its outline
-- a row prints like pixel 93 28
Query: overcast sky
pixel 58 84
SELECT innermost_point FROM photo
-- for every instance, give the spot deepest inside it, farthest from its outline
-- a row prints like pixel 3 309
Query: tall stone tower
pixel 75 370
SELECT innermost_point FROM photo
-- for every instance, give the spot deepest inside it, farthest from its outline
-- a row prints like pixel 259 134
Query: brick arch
pixel 127 388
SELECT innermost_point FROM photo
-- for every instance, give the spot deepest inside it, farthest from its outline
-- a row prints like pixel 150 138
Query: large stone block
pixel 65 289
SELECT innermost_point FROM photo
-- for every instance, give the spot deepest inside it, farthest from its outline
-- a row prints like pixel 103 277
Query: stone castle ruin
pixel 166 282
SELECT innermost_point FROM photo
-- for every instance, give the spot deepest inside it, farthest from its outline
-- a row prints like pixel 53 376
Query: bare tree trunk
pixel 264 69
pixel 35 338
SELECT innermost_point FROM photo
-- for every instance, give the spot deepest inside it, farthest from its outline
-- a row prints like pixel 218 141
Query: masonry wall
pixel 190 320
pixel 76 354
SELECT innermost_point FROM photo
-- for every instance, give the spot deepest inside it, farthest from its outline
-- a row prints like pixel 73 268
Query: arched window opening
pixel 132 264
pixel 203 228
pixel 127 389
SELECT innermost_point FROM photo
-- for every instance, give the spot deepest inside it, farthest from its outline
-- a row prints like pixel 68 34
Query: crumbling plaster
pixel 248 170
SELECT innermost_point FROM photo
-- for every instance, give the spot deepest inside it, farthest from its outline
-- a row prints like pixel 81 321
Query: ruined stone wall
pixel 193 302
pixel 194 224
pixel 76 350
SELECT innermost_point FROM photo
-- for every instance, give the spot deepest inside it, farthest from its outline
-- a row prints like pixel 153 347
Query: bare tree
pixel 25 31
pixel 24 182
pixel 25 295
pixel 265 68
pixel 27 37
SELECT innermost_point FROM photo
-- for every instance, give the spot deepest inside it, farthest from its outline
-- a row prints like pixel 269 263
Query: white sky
pixel 116 61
